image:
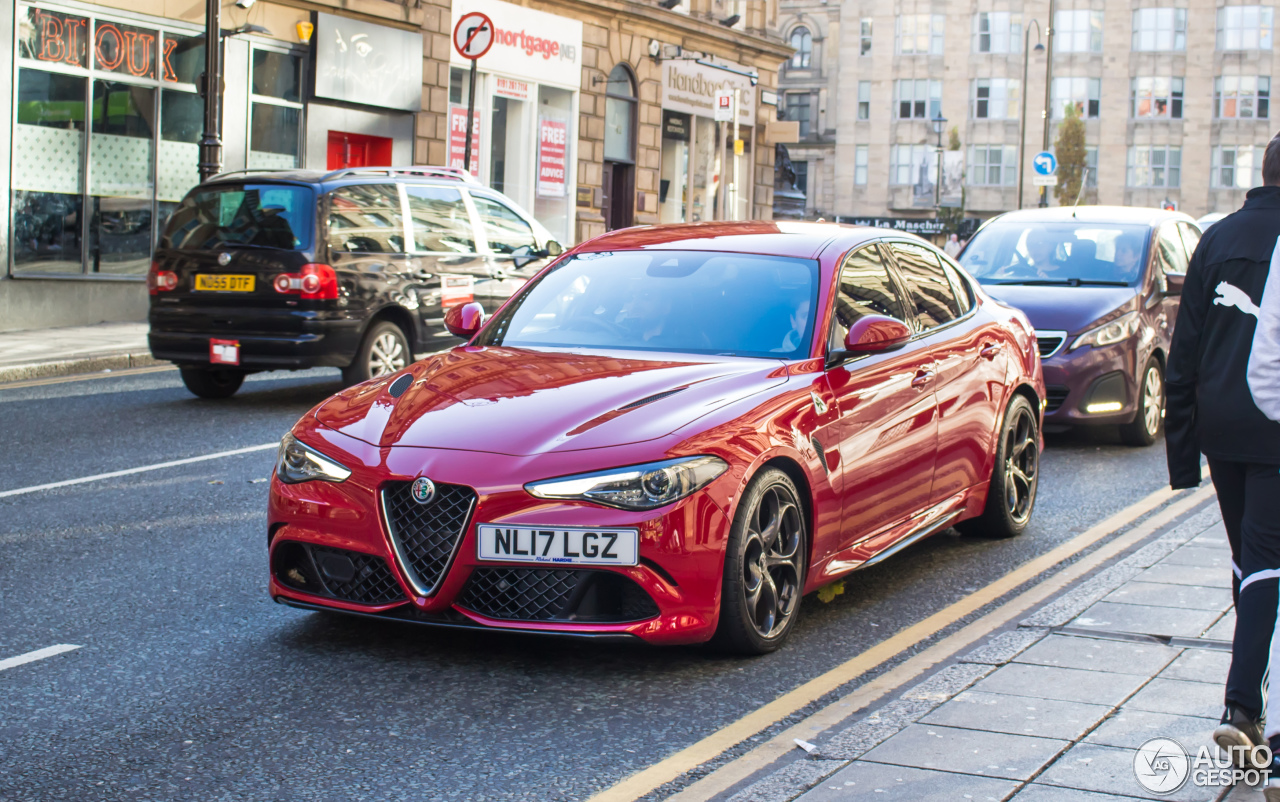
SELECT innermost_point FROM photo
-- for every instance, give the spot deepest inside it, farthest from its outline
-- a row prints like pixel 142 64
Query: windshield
pixel 254 215
pixel 683 301
pixel 1052 253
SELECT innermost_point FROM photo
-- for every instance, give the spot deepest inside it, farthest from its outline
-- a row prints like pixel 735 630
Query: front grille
pixel 1055 396
pixel 556 594
pixel 351 576
pixel 1050 342
pixel 425 536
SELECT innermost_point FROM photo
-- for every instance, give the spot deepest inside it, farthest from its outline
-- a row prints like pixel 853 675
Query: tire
pixel 1147 421
pixel 212 382
pixel 1011 497
pixel 383 351
pixel 764 567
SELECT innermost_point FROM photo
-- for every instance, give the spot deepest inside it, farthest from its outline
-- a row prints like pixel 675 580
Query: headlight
pixel 639 487
pixel 1118 330
pixel 296 463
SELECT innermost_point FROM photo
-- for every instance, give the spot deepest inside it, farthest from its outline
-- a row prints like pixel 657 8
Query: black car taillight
pixel 161 280
pixel 316 282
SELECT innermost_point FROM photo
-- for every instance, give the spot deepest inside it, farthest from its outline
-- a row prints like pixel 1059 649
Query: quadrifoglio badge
pixel 1162 766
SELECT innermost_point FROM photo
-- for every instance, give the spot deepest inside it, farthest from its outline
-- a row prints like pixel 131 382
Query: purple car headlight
pixel 1110 333
pixel 636 487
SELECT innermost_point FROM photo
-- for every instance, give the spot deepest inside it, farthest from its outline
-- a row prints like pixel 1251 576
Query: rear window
pixel 254 215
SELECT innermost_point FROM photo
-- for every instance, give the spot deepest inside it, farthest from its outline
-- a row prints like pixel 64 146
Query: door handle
pixel 990 350
pixel 922 379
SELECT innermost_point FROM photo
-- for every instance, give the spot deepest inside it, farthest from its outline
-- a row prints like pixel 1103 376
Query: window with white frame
pixel 1091 167
pixel 1236 167
pixel 904 162
pixel 864 43
pixel 1154 166
pixel 996 32
pixel 860 165
pixel 802 43
pixel 919 99
pixel 1084 93
pixel 1245 27
pixel 864 100
pixel 919 34
pixel 1242 97
pixel 1159 29
pixel 1155 97
pixel 275 110
pixel 1077 31
pixel 993 98
pixel 993 165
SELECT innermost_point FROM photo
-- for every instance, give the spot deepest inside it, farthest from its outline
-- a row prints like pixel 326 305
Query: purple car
pixel 1101 286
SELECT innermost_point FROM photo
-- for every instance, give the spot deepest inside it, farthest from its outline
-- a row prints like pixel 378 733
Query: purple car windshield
pixel 1067 253
pixel 695 302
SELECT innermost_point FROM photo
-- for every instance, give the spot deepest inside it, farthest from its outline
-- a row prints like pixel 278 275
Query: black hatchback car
pixel 354 269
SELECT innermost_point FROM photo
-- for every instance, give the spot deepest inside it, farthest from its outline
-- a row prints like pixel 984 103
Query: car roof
pixel 1095 214
pixel 764 237
pixel 447 176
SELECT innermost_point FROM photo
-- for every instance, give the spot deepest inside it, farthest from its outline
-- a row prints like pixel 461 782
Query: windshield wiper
pixel 1062 282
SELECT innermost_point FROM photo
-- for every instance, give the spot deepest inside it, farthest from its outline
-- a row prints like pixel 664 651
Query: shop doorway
pixel 358 150
pixel 618 195
pixel 618 184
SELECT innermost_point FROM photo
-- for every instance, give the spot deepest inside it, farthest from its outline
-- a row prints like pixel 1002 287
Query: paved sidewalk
pixel 41 353
pixel 1054 710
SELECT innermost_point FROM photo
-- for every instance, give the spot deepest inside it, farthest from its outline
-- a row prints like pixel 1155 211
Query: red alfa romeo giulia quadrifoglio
pixel 669 434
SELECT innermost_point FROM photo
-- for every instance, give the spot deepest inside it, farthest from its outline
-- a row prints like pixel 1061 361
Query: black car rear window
pixel 278 216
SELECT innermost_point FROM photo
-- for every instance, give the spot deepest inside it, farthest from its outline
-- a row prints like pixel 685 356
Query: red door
pixel 358 150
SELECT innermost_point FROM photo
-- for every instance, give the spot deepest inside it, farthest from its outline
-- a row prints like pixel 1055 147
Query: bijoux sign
pixel 693 88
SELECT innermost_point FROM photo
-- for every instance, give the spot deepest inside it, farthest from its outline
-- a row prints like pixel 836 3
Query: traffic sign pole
pixel 471 117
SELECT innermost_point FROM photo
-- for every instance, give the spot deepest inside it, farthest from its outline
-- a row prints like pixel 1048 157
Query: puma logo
pixel 1231 295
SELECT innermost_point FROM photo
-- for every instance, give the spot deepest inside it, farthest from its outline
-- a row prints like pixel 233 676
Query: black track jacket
pixel 1210 409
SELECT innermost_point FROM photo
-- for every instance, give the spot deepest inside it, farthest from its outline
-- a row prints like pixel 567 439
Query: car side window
pixel 441 223
pixel 865 289
pixel 964 293
pixel 1173 255
pixel 1190 239
pixel 504 229
pixel 366 218
pixel 931 293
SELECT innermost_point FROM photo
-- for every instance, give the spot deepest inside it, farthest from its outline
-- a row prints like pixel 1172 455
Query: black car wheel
pixel 384 351
pixel 1012 494
pixel 212 382
pixel 763 567
pixel 1145 426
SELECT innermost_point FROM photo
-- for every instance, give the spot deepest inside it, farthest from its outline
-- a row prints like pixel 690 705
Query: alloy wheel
pixel 1152 400
pixel 1021 464
pixel 771 561
pixel 386 356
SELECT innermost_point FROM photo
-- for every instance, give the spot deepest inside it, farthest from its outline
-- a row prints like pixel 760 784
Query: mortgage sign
pixel 473 35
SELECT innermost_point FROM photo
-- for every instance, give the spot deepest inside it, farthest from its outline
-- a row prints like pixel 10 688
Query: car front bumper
pixel 1085 385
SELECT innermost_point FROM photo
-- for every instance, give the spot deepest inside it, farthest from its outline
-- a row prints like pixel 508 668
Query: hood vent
pixel 650 399
pixel 401 384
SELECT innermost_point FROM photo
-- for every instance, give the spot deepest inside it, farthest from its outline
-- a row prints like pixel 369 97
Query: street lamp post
pixel 1022 129
pixel 939 125
pixel 210 139
pixel 1048 85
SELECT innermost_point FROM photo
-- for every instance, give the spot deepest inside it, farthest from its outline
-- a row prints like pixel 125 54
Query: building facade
pixel 1175 97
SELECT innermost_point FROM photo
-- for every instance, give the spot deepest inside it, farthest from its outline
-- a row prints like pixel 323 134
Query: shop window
pixel 440 220
pixel 556 137
pixel 802 43
pixel 277 75
pixel 181 59
pixel 503 228
pixel 121 151
pixel 366 219
pixel 178 155
pixel 53 38
pixel 275 111
pixel 125 49
pixel 510 152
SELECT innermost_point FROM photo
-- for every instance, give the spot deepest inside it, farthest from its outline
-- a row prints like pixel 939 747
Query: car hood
pixel 1068 309
pixel 520 402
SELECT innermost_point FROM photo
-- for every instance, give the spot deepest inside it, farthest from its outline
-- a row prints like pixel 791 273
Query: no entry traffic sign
pixel 473 35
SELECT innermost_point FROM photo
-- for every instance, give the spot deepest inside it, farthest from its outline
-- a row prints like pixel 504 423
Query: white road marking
pixel 38 654
pixel 143 469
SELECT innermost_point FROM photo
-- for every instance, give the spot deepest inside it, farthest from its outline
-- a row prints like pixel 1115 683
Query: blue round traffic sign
pixel 1045 163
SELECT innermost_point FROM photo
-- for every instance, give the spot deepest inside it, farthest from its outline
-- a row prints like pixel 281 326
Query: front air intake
pixel 426 535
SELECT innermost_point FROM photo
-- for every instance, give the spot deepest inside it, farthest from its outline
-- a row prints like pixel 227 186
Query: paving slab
pixel 1202 555
pixel 1143 619
pixel 1066 684
pixel 1109 770
pixel 1019 715
pixel 1202 699
pixel 1048 793
pixel 1224 629
pixel 1096 654
pixel 891 783
pixel 1171 574
pixel 1156 594
pixel 1130 728
pixel 1200 665
pixel 990 754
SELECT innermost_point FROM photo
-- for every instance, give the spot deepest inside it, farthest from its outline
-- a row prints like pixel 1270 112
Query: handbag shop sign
pixel 692 88
pixel 537 46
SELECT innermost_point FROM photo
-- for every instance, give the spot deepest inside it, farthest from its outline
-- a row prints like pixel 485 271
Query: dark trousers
pixel 1249 497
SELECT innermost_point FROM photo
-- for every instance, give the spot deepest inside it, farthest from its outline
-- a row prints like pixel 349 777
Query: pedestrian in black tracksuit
pixel 1211 411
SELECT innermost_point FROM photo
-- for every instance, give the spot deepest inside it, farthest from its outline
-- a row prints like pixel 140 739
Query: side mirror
pixel 873 334
pixel 554 248
pixel 464 321
pixel 1174 282
pixel 525 254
